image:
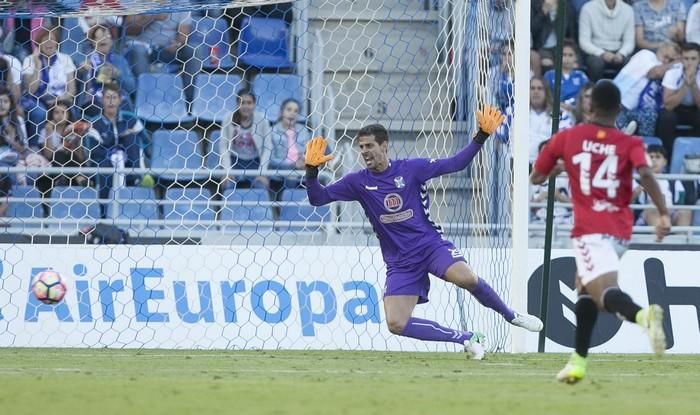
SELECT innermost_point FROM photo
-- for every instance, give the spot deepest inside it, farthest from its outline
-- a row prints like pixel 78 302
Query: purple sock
pixel 488 297
pixel 420 329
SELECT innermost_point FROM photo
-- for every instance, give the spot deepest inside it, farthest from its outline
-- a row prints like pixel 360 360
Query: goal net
pixel 151 152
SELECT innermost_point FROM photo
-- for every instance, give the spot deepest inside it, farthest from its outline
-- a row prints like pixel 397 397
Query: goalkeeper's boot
pixel 474 347
pixel 528 322
pixel 652 319
pixel 574 371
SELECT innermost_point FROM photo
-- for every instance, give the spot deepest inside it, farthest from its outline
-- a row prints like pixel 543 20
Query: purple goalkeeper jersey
pixel 396 202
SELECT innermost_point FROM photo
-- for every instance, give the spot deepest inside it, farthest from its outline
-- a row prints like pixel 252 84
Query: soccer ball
pixel 49 287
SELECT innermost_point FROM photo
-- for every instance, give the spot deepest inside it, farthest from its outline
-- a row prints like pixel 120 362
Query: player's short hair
pixel 690 46
pixel 380 133
pixel 605 97
pixel 657 149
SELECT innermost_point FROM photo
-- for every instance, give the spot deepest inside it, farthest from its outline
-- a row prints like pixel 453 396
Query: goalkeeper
pixel 394 197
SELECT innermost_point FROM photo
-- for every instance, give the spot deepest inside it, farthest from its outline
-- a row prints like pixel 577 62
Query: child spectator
pixel 244 142
pixel 289 140
pixel 572 79
pixel 673 192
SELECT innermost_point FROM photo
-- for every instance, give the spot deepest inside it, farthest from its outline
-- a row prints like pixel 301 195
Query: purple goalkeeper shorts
pixel 413 279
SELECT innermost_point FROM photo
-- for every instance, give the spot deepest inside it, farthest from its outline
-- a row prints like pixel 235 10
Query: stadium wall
pixel 270 297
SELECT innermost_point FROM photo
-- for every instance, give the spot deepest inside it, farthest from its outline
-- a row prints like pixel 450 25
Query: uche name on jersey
pixel 598 148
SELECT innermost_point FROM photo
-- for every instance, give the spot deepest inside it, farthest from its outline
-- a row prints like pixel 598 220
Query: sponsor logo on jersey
pixel 456 253
pixel 604 205
pixel 398 181
pixel 370 187
pixel 396 217
pixel 393 202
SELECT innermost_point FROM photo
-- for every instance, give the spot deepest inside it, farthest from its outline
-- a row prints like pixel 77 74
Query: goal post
pixel 220 246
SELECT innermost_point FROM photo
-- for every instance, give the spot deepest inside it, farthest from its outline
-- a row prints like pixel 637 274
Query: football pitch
pixel 100 381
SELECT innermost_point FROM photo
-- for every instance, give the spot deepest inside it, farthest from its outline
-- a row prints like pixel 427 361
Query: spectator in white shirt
pixel 692 27
pixel 681 97
pixel 606 35
pixel 49 77
pixel 541 115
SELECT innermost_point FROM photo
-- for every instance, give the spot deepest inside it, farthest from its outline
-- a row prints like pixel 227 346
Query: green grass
pixel 69 381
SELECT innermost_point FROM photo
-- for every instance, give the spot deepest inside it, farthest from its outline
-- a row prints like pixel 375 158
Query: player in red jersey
pixel 599 160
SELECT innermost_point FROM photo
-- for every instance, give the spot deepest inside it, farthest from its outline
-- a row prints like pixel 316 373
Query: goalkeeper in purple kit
pixel 395 199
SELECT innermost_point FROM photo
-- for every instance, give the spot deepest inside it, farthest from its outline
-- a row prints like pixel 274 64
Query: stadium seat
pixel 23 209
pixel 177 149
pixel 212 43
pixel 160 99
pixel 244 218
pixel 213 156
pixel 215 96
pixel 85 208
pixel 74 41
pixel 648 141
pixel 133 203
pixel 681 147
pixel 272 89
pixel 179 206
pixel 263 43
pixel 295 207
pixel 578 5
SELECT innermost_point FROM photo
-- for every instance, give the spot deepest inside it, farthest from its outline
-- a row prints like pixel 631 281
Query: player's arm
pixel 489 118
pixel 651 186
pixel 319 195
pixel 547 163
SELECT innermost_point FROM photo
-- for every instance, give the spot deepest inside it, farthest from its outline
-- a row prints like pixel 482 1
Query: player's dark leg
pixel 586 315
pixel 609 297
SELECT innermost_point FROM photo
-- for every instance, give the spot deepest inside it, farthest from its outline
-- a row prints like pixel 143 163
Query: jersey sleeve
pixel 341 190
pixel 425 169
pixel 637 154
pixel 549 155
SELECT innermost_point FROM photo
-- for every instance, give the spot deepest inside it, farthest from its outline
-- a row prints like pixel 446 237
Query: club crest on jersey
pixel 398 181
pixel 393 202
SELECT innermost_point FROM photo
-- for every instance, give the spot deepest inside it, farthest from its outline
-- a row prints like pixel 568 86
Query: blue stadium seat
pixel 272 89
pixel 85 209
pixel 177 149
pixel 578 5
pixel 212 43
pixel 245 217
pixel 74 41
pixel 263 43
pixel 23 209
pixel 179 206
pixel 648 141
pixel 133 203
pixel 215 96
pixel 213 156
pixel 295 207
pixel 681 147
pixel 160 99
pixel 696 215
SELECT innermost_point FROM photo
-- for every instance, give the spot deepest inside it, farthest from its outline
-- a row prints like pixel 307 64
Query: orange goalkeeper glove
pixel 316 152
pixel 489 118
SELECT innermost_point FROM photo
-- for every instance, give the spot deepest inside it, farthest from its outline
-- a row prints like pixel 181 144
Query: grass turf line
pixel 82 381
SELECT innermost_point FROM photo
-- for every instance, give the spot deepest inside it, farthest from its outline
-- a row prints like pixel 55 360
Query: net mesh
pixel 139 123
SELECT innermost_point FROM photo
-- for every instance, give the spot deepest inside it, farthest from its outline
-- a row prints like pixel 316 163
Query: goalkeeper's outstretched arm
pixel 489 119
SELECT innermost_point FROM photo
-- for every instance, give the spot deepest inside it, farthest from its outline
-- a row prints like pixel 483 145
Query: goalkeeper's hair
pixel 380 133
pixel 605 98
